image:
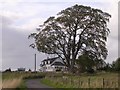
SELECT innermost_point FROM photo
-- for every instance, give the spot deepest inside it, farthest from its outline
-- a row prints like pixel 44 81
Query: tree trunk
pixel 72 70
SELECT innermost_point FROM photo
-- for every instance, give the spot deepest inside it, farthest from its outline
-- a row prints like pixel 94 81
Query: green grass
pixel 17 79
pixel 10 75
pixel 50 83
pixel 96 81
pixel 56 79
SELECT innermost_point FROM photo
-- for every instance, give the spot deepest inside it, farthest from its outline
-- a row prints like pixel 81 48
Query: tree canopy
pixel 73 31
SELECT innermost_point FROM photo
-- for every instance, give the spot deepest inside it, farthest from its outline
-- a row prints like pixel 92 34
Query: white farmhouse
pixel 51 65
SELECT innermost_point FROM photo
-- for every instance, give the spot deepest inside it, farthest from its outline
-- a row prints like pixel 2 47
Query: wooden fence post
pixel 103 83
pixel 89 82
pixel 71 81
pixel 63 80
pixel 79 83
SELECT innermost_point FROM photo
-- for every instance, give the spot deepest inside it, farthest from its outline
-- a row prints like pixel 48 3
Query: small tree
pixel 74 30
pixel 29 70
pixel 8 70
pixel 108 67
pixel 116 65
pixel 85 62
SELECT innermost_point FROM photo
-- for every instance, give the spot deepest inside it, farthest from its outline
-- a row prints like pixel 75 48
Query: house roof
pixel 50 59
pixel 53 61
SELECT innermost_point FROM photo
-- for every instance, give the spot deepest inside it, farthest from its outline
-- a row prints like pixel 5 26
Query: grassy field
pixel 17 79
pixel 11 80
pixel 99 80
pixel 60 80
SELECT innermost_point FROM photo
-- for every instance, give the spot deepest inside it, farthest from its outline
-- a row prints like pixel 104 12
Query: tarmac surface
pixel 35 84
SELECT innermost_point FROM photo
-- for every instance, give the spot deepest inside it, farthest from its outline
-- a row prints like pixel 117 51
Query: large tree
pixel 71 32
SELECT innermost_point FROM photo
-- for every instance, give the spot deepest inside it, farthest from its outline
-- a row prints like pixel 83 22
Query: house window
pixel 45 62
pixel 56 67
pixel 48 62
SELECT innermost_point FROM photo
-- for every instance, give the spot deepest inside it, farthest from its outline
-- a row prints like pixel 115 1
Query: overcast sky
pixel 19 18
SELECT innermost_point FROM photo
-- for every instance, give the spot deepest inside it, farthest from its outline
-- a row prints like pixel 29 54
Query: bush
pixel 90 71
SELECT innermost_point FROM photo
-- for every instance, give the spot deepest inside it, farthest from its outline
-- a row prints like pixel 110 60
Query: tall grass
pixel 60 80
pixel 11 83
pixel 104 80
pixel 15 79
pixel 11 79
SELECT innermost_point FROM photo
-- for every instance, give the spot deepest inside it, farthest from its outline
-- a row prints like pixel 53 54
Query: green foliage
pixel 85 63
pixel 74 30
pixel 10 76
pixel 116 65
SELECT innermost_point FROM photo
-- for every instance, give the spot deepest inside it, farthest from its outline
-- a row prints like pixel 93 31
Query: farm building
pixel 21 69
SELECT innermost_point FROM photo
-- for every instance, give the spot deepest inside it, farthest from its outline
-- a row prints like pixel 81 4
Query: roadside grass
pixel 61 80
pixel 11 83
pixel 57 85
pixel 17 79
pixel 50 83
pixel 11 80
pixel 98 80
pixel 22 85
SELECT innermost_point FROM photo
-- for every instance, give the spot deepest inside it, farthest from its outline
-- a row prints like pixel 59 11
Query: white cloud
pixel 10 2
pixel 8 18
pixel 13 1
pixel 9 14
pixel 29 26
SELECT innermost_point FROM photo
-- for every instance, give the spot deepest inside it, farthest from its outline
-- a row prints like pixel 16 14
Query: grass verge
pixel 98 82
pixel 22 85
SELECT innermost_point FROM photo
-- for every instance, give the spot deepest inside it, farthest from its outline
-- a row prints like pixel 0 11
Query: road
pixel 35 84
